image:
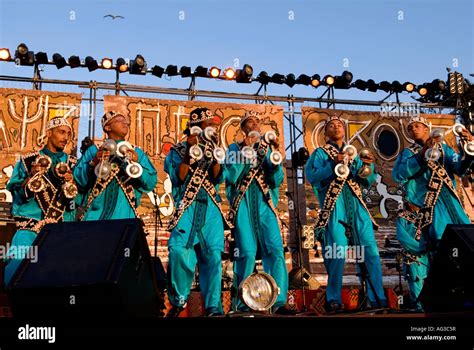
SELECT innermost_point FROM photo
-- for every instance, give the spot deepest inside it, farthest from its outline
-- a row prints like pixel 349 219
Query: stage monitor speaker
pixel 87 269
pixel 449 285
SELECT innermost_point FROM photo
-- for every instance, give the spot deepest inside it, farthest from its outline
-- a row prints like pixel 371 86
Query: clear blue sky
pixel 406 40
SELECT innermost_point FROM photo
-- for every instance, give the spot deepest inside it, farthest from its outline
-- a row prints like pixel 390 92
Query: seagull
pixel 114 16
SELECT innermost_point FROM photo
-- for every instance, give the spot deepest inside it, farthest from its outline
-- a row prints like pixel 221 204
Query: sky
pixel 405 40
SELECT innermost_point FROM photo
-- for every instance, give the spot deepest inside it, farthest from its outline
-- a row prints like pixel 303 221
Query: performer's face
pixel 118 127
pixel 58 138
pixel 251 124
pixel 335 130
pixel 418 131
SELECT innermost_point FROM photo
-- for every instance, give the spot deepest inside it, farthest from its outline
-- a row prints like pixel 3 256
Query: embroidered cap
pixel 249 114
pixel 418 119
pixel 57 121
pixel 332 118
pixel 199 115
pixel 108 116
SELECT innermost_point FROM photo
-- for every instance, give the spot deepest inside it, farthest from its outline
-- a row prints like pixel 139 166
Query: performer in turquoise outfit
pixel 252 190
pixel 197 225
pixel 427 209
pixel 115 195
pixel 343 211
pixel 43 192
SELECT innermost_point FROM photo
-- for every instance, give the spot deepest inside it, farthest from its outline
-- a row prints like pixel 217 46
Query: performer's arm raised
pixel 319 169
pixel 407 166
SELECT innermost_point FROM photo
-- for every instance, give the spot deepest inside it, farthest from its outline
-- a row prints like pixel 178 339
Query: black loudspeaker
pixel 87 270
pixel 450 284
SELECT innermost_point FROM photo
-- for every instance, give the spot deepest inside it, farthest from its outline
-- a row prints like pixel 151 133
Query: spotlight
pixel 171 70
pixel 91 63
pixel 343 81
pixel 456 83
pixel 303 79
pixel 328 80
pixel 244 75
pixel 74 61
pixel 138 65
pixel 438 85
pixel 200 71
pixel 121 65
pixel 41 58
pixel 106 63
pixel 371 85
pixel 360 84
pixel 258 291
pixel 229 73
pixel 408 87
pixel 315 80
pixel 290 80
pixel 215 72
pixel 263 78
pixel 385 86
pixel 5 54
pixel 397 86
pixel 59 61
pixel 157 71
pixel 278 78
pixel 423 90
pixel 185 71
pixel 24 57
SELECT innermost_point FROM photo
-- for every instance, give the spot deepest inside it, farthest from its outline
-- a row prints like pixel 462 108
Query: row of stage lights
pixel 138 66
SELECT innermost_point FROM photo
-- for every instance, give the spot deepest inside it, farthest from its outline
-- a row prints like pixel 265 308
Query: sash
pixel 335 189
pixel 199 178
pixel 244 184
pixel 439 178
pixel 50 199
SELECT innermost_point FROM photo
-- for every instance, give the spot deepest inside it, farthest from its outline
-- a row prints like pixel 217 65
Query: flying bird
pixel 114 16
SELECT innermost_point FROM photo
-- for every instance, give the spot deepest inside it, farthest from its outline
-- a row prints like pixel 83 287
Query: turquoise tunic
pixel 256 226
pixel 198 238
pixel 348 209
pixel 28 207
pixel 412 171
pixel 112 203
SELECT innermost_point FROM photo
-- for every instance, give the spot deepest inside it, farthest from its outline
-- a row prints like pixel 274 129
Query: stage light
pixel 259 291
pixel 229 73
pixel 290 80
pixel 41 58
pixel 185 71
pixel 438 85
pixel 397 86
pixel 343 81
pixel 138 65
pixel 408 87
pixel 74 61
pixel 244 75
pixel 121 65
pixel 171 70
pixel 385 86
pixel 278 78
pixel 215 72
pixel 456 83
pixel 315 80
pixel 157 71
pixel 371 85
pixel 423 90
pixel 24 57
pixel 303 79
pixel 59 61
pixel 263 78
pixel 200 71
pixel 91 63
pixel 106 63
pixel 360 84
pixel 328 80
pixel 5 54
